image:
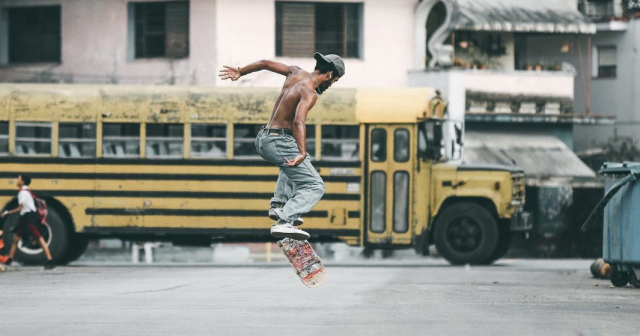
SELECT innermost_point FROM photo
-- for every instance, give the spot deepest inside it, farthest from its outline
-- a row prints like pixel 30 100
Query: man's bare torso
pixel 297 86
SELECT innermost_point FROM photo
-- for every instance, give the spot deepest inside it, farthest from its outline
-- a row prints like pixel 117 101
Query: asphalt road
pixel 515 297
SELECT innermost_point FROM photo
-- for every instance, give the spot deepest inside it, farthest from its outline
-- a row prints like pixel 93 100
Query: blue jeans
pixel 299 188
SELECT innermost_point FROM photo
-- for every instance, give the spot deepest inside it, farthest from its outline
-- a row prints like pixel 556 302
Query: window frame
pixel 395 141
pixel 358 7
pixel 6 137
pixel 5 59
pixel 123 139
pixel 383 189
pixel 338 141
pixel 384 142
pixel 94 140
pixel 407 198
pixel 596 67
pixel 42 124
pixel 243 140
pixel 208 140
pixel 132 31
pixel 164 140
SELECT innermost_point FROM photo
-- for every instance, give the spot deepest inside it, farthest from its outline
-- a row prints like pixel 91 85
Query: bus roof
pixel 72 102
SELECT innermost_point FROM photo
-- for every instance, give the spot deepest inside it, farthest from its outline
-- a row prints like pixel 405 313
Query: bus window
pixel 164 141
pixel 76 140
pixel 401 202
pixel 378 145
pixel 401 145
pixel 244 138
pixel 33 138
pixel 4 138
pixel 340 143
pixel 378 201
pixel 121 140
pixel 208 141
pixel 311 140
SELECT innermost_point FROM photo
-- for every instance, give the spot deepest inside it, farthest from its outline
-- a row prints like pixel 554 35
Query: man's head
pixel 330 69
pixel 23 180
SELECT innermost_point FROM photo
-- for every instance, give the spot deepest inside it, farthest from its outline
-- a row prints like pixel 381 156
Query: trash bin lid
pixel 624 168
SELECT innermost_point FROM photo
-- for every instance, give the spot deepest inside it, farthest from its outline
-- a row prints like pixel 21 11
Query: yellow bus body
pixel 191 199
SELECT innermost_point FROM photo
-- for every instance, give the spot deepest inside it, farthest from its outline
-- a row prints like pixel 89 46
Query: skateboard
pixel 304 260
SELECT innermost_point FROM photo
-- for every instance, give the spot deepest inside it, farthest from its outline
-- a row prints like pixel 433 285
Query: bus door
pixel 389 182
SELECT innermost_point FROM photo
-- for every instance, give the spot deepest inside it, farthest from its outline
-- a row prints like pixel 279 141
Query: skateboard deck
pixel 304 260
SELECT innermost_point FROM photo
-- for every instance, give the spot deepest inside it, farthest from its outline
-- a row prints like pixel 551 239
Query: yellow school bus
pixel 179 164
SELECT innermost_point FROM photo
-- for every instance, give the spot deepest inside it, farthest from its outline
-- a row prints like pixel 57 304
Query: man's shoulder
pixel 295 69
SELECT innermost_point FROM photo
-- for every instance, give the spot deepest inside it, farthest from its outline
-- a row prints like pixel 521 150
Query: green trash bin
pixel 620 211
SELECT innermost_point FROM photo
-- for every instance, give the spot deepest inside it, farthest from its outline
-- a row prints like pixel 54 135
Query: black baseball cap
pixel 332 59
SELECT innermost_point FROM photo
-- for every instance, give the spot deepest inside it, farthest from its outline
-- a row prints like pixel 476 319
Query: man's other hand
pixel 296 161
pixel 230 73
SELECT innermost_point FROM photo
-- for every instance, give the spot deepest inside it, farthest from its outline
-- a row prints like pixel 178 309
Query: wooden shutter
pixel 298 29
pixel 177 29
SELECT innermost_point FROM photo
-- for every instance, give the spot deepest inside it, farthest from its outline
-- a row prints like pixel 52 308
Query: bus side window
pixel 208 141
pixel 121 140
pixel 33 138
pixel 76 140
pixel 4 138
pixel 401 145
pixel 244 138
pixel 340 143
pixel 164 141
pixel 378 145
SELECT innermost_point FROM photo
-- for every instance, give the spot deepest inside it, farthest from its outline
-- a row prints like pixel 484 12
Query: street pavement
pixel 425 297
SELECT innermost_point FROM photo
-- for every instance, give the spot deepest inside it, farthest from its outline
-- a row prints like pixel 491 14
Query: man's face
pixel 19 183
pixel 327 84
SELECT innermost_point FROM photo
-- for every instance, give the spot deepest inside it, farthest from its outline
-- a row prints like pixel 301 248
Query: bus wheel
pixel 504 243
pixel 55 234
pixel 466 233
pixel 76 249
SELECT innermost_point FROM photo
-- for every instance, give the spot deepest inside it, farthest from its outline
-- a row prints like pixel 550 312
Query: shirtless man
pixel 283 140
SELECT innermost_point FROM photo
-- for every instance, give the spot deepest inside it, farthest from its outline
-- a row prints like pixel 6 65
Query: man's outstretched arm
pixel 235 73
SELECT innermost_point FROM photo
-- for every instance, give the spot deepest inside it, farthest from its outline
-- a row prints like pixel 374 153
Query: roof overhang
pixel 531 16
pixel 544 158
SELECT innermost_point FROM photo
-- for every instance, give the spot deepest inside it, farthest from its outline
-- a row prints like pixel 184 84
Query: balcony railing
pixel 494 91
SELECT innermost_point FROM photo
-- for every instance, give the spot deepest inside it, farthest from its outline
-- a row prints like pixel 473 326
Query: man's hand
pixel 296 161
pixel 230 73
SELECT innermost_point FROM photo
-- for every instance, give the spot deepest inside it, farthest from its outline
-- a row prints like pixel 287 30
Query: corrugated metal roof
pixel 546 16
pixel 540 155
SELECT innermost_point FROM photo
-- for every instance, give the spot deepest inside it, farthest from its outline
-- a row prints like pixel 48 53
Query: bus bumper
pixel 521 221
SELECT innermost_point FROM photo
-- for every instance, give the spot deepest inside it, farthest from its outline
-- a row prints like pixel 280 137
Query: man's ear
pixel 330 73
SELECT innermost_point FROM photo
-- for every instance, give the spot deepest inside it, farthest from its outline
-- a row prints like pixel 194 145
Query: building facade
pixel 186 42
pixel 615 72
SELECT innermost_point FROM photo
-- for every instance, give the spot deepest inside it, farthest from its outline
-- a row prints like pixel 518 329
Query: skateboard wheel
pixel 279 243
pixel 297 272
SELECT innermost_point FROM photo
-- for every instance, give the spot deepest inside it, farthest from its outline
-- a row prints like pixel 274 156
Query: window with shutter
pixel 303 28
pixel 606 58
pixel 161 29
pixel 34 34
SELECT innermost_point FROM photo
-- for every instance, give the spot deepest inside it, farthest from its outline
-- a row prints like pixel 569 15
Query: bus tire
pixel 56 235
pixel 504 243
pixel 466 233
pixel 76 249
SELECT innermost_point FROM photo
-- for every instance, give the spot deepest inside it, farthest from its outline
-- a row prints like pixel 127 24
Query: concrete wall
pixel 387 49
pixel 94 47
pixel 616 96
pixel 222 32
